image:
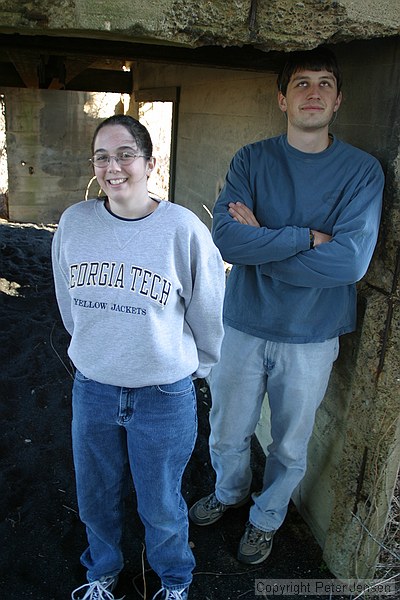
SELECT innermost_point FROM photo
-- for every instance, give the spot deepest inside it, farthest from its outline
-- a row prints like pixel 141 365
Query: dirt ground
pixel 42 537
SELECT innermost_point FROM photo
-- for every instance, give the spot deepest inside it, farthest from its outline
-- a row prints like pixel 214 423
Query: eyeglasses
pixel 123 158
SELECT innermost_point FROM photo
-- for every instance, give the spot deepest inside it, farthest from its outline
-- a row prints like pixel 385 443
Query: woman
pixel 140 286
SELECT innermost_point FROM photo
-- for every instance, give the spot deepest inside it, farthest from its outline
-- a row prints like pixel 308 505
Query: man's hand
pixel 320 238
pixel 242 214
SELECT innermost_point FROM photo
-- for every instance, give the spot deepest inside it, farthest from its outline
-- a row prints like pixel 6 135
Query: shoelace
pixel 212 502
pixel 96 590
pixel 170 594
pixel 254 535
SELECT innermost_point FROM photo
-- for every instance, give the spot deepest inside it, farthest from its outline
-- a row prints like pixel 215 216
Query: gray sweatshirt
pixel 142 300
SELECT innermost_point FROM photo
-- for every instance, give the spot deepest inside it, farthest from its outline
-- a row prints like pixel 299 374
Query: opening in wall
pixel 158 111
pixel 157 117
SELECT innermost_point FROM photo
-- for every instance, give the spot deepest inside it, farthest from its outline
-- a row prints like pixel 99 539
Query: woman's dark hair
pixel 318 59
pixel 135 128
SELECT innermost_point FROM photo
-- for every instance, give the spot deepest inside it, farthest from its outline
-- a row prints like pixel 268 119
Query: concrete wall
pixel 219 111
pixel 48 146
pixel 49 134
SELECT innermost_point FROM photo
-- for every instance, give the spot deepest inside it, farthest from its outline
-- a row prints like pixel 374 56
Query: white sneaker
pixel 100 589
pixel 172 594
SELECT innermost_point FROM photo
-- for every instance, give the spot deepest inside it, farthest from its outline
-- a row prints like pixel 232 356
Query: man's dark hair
pixel 318 59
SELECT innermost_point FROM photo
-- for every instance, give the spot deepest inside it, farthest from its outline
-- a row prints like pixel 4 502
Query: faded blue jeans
pixel 295 376
pixel 150 431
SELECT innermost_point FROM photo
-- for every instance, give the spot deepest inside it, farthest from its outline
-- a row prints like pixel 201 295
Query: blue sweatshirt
pixel 280 289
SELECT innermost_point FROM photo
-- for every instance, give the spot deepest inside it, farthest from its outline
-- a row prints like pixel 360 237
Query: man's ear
pixel 282 102
pixel 338 102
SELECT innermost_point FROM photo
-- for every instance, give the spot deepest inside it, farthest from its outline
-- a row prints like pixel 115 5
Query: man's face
pixel 311 100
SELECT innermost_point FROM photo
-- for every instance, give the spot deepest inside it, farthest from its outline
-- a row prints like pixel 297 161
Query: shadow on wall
pixel 4 206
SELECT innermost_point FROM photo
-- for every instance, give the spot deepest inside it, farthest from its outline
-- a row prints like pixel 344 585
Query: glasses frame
pixel 118 160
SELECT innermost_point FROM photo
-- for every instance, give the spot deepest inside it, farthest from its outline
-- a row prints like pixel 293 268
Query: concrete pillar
pixel 369 453
pixel 354 454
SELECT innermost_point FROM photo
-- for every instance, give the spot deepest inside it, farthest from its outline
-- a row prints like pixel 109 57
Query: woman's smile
pixel 116 182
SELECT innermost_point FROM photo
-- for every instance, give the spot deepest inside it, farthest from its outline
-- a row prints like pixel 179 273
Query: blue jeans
pixel 150 431
pixel 295 376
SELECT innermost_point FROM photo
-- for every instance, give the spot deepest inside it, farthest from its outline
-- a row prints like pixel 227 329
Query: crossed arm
pixel 242 214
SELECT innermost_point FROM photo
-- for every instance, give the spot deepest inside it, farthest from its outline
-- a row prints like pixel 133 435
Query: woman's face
pixel 121 183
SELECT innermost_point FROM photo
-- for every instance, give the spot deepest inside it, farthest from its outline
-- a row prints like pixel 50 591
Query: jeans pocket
pixel 178 388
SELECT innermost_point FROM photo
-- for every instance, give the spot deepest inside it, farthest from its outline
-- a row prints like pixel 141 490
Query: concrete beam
pixel 276 25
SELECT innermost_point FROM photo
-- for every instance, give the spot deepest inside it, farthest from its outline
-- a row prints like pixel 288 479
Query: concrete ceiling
pixel 50 62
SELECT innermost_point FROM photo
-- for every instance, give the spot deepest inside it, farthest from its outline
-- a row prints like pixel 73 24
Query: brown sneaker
pixel 209 509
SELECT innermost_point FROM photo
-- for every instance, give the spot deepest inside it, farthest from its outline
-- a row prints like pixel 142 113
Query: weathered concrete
pixel 48 146
pixel 268 24
pixel 220 110
pixel 369 434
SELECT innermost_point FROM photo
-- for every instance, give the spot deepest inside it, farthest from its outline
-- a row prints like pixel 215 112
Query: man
pixel 298 218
